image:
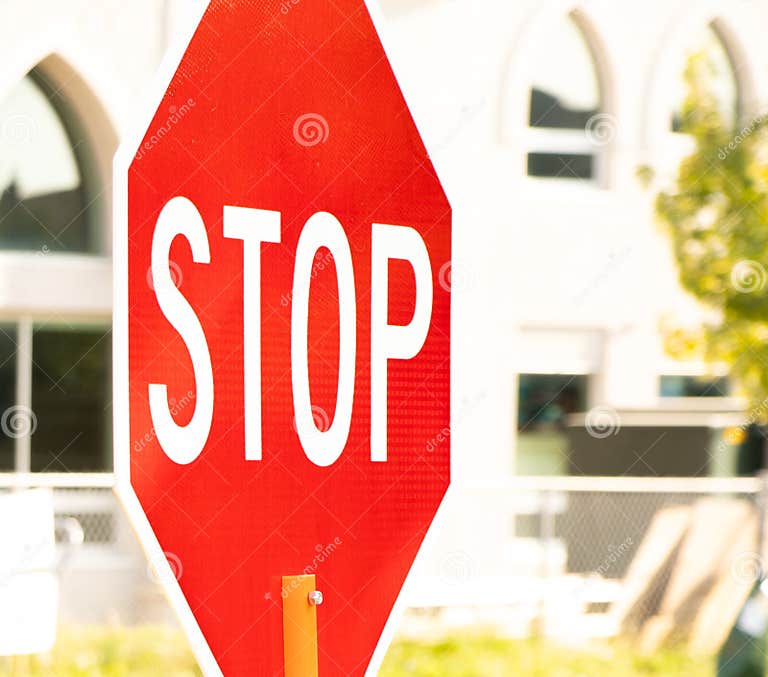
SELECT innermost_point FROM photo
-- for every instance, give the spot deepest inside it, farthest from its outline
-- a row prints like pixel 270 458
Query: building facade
pixel 538 116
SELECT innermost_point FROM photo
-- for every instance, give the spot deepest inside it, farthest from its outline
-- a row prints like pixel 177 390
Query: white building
pixel 537 114
pixel 570 275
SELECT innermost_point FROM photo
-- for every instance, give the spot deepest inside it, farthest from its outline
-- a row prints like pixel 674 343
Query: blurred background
pixel 607 163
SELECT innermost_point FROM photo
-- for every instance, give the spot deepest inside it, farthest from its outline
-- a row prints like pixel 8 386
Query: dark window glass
pixel 550 112
pixel 677 122
pixel 693 386
pixel 561 165
pixel 565 92
pixel 7 397
pixel 43 204
pixel 71 400
pixel 565 96
pixel 544 400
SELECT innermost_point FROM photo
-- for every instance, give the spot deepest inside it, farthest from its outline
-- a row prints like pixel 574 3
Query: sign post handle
pixel 300 602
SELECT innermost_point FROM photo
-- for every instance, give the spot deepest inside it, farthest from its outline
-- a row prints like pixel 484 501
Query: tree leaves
pixel 716 216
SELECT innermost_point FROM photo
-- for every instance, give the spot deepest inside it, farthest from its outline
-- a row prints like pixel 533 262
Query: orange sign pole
pixel 300 602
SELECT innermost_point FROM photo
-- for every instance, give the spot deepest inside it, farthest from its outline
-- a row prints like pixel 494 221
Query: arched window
pixel 55 292
pixel 707 46
pixel 565 123
pixel 43 197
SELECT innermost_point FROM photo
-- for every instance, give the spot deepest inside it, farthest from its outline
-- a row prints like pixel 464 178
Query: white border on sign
pixel 401 603
pixel 122 447
pixel 129 147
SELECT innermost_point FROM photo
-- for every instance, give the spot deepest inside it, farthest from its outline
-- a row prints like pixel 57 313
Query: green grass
pixel 151 651
pixel 486 656
pixel 110 652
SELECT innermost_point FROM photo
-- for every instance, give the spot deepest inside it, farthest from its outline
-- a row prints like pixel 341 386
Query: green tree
pixel 716 216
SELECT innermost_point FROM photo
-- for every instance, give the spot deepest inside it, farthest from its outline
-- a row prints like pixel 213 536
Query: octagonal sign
pixel 282 336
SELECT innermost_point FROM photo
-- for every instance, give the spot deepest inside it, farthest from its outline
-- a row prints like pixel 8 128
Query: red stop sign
pixel 282 332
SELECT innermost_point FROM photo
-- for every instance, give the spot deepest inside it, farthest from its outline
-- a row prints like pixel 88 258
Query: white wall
pixel 570 258
pixel 553 277
pixel 536 264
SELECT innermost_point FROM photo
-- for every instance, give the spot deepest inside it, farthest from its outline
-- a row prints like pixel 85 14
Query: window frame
pixel 67 289
pixel 25 326
pixel 583 383
pixel 514 128
pixel 664 148
pixel 85 162
pixel 738 108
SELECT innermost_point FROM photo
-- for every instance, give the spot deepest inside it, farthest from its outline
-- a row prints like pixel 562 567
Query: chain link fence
pixel 655 560
pixel 103 574
pixel 659 566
